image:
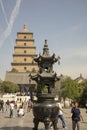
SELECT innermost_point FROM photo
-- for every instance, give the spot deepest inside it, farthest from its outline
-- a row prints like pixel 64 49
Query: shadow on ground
pixel 17 128
pixel 84 122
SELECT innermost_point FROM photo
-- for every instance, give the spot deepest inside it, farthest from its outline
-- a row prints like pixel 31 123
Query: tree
pixel 9 87
pixel 1 89
pixel 14 70
pixel 33 70
pixel 83 98
pixel 70 89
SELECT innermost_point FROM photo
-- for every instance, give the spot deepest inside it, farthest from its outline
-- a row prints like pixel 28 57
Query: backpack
pixel 76 114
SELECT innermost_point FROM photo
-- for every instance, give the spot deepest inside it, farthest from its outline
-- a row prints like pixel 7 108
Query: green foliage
pixel 1 89
pixel 70 89
pixel 28 71
pixel 83 98
pixel 9 87
pixel 33 70
pixel 45 89
pixel 14 70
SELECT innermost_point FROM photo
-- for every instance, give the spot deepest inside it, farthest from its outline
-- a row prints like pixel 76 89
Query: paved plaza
pixel 26 122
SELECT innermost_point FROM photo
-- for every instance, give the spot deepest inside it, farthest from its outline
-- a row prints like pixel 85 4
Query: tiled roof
pixel 18 77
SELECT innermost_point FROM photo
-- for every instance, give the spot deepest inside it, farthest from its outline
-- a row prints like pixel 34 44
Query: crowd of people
pixel 15 108
pixel 10 106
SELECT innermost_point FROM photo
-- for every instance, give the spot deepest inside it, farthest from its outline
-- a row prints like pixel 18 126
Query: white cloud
pixel 13 16
pixel 4 13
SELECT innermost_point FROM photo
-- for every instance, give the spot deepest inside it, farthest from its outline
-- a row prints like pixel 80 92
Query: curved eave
pixel 23 64
pixel 24 47
pixel 27 55
pixel 25 33
pixel 22 39
pixel 44 58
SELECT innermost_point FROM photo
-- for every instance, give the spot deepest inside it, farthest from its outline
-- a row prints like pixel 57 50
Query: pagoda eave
pixel 19 39
pixel 22 64
pixel 25 33
pixel 27 55
pixel 45 58
pixel 25 47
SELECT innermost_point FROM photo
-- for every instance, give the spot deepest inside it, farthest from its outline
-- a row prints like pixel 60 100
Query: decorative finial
pixel 45 41
pixel 25 28
pixel 45 49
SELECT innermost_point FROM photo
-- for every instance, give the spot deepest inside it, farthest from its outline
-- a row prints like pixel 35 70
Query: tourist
pixel 61 117
pixel 7 105
pixel 76 116
pixel 29 105
pixel 11 109
pixel 2 105
pixel 21 111
pixel 73 106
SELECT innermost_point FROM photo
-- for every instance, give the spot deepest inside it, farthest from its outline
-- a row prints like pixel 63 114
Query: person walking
pixel 76 116
pixel 61 116
pixel 2 105
pixel 7 106
pixel 29 105
pixel 11 109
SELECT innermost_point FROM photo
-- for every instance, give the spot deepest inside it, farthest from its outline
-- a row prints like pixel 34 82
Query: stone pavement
pixel 26 122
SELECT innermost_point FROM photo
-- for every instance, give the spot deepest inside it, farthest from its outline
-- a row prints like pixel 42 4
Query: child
pixel 21 111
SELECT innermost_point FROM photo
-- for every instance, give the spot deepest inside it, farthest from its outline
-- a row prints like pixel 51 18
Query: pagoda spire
pixel 46 49
pixel 25 29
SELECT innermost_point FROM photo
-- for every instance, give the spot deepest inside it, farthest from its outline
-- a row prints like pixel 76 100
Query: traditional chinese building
pixel 23 63
pixel 80 79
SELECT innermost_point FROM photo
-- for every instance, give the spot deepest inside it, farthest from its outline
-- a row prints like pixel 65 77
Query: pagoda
pixel 23 63
pixel 24 52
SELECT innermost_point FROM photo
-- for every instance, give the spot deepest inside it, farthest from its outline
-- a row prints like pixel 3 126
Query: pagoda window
pixel 24 51
pixel 24 37
pixel 25 59
pixel 25 68
pixel 25 44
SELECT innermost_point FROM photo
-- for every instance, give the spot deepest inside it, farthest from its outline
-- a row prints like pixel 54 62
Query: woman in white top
pixel 60 115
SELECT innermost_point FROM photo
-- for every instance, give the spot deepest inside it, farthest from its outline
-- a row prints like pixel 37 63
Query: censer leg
pixel 55 124
pixel 36 122
pixel 47 124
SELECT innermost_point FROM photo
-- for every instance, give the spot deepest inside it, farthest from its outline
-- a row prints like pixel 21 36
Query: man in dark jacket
pixel 76 116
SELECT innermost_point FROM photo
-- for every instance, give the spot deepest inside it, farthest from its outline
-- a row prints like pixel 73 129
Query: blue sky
pixel 62 22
